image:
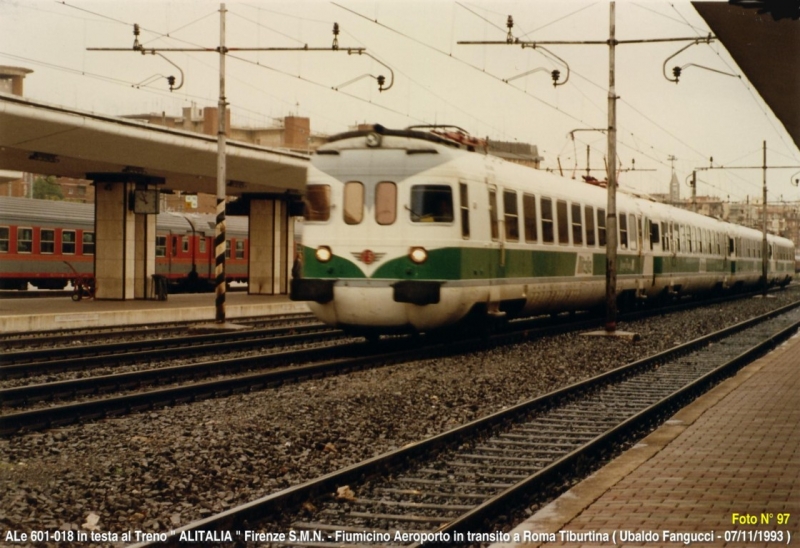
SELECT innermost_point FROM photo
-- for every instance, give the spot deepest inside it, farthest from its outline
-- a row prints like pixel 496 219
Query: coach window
pixel 47 241
pixel 174 246
pixel 385 203
pixel 577 225
pixel 633 233
pixel 431 204
pixel 493 214
pixel 185 244
pixel 511 215
pixel 317 203
pixel 464 204
pixel 623 231
pixel 227 249
pixel 88 243
pixel 589 214
pixel 201 245
pixel 601 227
pixel 161 246
pixel 4 237
pixel 24 240
pixel 239 249
pixel 353 202
pixel 548 234
pixel 68 242
pixel 529 213
pixel 655 235
pixel 563 224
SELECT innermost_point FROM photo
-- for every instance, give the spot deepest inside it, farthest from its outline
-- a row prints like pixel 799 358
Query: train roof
pixel 79 215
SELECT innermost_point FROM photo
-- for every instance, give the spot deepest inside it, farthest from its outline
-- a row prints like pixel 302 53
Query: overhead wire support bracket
pixel 676 70
pixel 380 78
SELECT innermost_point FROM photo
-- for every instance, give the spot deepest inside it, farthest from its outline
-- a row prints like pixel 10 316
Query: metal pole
pixel 764 248
pixel 611 222
pixel 694 191
pixel 219 234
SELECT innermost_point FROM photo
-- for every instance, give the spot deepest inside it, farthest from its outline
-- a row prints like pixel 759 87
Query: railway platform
pixel 723 471
pixel 54 313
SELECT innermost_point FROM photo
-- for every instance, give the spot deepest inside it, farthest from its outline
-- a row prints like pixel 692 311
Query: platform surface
pixel 730 458
pixel 46 314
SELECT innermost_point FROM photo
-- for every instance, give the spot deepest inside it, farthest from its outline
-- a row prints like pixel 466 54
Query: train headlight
pixel 418 255
pixel 323 254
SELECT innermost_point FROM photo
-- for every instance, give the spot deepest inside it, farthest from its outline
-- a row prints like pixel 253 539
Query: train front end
pixel 379 244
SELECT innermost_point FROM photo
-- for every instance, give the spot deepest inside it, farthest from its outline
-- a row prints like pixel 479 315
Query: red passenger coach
pixel 49 243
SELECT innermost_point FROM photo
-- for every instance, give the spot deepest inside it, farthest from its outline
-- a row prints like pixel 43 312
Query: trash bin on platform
pixel 159 287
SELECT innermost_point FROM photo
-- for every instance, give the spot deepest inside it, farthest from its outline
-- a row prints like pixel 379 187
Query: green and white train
pixel 417 229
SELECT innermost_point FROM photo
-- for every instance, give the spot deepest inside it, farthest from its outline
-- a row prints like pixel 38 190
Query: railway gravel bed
pixel 159 470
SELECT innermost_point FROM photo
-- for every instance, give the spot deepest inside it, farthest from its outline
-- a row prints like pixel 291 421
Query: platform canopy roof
pixel 52 140
pixel 763 37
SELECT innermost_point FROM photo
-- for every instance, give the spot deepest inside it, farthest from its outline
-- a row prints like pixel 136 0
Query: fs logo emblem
pixel 368 256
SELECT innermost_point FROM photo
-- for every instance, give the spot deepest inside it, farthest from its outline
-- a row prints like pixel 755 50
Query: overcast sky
pixel 707 114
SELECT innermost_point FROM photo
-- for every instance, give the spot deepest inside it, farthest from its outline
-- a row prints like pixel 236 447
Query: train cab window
pixel 623 231
pixel 239 249
pixel 4 237
pixel 24 240
pixel 317 203
pixel 511 215
pixel 431 203
pixel 463 192
pixel 493 215
pixel 601 227
pixel 529 215
pixel 87 242
pixel 563 225
pixel 353 202
pixel 161 246
pixel 68 242
pixel 548 233
pixel 47 241
pixel 385 203
pixel 577 225
pixel 589 215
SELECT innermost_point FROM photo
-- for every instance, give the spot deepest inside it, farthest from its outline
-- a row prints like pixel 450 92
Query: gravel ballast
pixel 158 470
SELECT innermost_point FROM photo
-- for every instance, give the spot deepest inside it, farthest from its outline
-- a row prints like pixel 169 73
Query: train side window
pixel 87 242
pixel 174 246
pixel 47 241
pixel 589 215
pixel 385 203
pixel 68 242
pixel 633 232
pixel 511 215
pixel 201 245
pixel 548 234
pixel 353 202
pixel 239 249
pixel 655 236
pixel 317 203
pixel 227 249
pixel 463 192
pixel 601 227
pixel 185 244
pixel 529 218
pixel 577 225
pixel 4 237
pixel 161 246
pixel 623 231
pixel 24 240
pixel 493 214
pixel 431 203
pixel 563 224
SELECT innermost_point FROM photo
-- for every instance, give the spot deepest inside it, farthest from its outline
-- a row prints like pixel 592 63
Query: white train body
pixel 411 230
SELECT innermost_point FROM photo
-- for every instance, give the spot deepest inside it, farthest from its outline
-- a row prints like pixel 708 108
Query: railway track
pixel 438 489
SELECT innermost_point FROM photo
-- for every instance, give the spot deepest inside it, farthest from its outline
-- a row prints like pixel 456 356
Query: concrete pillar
pixel 271 247
pixel 115 231
pixel 144 262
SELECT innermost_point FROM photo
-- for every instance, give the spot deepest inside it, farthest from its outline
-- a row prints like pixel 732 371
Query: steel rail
pixel 247 516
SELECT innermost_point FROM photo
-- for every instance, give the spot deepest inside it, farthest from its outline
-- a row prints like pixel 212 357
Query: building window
pixel 68 242
pixel 227 249
pixel 47 241
pixel 202 243
pixel 24 240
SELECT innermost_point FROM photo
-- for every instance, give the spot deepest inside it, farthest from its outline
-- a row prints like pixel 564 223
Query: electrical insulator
pixel 676 72
pixel 510 25
pixel 171 80
pixel 136 45
pixel 335 36
pixel 381 80
pixel 556 74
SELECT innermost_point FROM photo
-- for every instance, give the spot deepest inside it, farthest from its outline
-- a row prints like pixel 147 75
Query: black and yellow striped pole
pixel 219 233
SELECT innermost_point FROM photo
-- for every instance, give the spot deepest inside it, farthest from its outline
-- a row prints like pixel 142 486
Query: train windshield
pixel 431 203
pixel 317 203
